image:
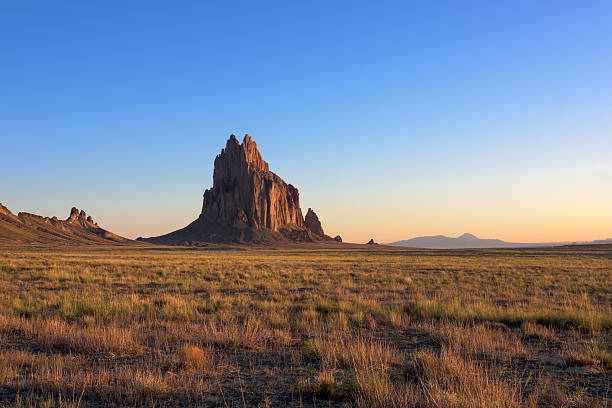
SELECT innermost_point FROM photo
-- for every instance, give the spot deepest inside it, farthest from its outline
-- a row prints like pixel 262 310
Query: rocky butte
pixel 248 204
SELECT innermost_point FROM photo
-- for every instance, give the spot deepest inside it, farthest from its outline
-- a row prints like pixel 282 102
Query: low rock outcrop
pixel 78 228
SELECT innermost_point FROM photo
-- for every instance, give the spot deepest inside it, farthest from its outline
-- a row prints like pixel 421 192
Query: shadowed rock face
pixel 246 193
pixel 312 223
pixel 247 203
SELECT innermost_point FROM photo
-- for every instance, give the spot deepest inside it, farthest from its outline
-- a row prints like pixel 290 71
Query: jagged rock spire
pixel 246 193
pixel 311 221
pixel 247 203
pixel 79 216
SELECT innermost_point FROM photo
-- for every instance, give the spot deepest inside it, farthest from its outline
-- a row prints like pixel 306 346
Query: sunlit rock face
pixel 246 193
pixel 4 210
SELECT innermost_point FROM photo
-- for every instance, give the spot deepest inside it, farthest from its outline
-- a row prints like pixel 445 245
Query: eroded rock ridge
pixel 78 228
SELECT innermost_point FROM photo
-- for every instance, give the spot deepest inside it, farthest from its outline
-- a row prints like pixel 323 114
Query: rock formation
pixel 311 221
pixel 4 210
pixel 246 193
pixel 371 242
pixel 78 228
pixel 247 203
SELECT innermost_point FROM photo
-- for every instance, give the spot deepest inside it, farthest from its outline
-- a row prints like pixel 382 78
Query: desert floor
pixel 380 327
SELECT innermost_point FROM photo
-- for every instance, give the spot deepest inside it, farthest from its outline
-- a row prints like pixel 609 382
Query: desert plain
pixel 143 325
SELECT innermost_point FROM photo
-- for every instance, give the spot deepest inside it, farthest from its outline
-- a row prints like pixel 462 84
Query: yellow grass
pixel 369 328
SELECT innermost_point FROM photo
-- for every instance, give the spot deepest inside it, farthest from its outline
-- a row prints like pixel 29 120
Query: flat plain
pixel 366 327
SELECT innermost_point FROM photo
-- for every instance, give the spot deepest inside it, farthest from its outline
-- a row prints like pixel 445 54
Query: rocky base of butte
pixel 248 204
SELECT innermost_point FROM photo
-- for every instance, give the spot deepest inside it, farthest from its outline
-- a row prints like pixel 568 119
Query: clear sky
pixel 394 119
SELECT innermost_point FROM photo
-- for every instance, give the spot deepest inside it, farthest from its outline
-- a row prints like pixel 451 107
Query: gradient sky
pixel 393 119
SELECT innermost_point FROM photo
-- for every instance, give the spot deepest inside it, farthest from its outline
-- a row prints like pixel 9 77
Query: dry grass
pixel 537 332
pixel 352 352
pixel 358 367
pixel 374 389
pixel 56 335
pixel 380 328
pixel 249 335
pixel 198 359
pixel 52 375
pixel 479 341
pixel 594 353
pixel 448 380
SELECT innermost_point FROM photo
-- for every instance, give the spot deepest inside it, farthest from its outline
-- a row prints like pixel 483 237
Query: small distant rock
pixel 338 238
pixel 371 242
pixel 311 221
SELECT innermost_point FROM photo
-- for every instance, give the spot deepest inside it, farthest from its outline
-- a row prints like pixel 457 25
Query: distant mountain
pixel 78 228
pixel 601 241
pixel 465 241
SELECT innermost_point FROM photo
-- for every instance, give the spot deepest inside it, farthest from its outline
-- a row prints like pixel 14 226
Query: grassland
pixel 304 328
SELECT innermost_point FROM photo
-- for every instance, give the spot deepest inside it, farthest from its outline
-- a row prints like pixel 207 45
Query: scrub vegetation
pixel 377 327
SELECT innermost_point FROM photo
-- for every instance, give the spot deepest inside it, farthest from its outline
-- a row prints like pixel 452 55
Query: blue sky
pixel 393 119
